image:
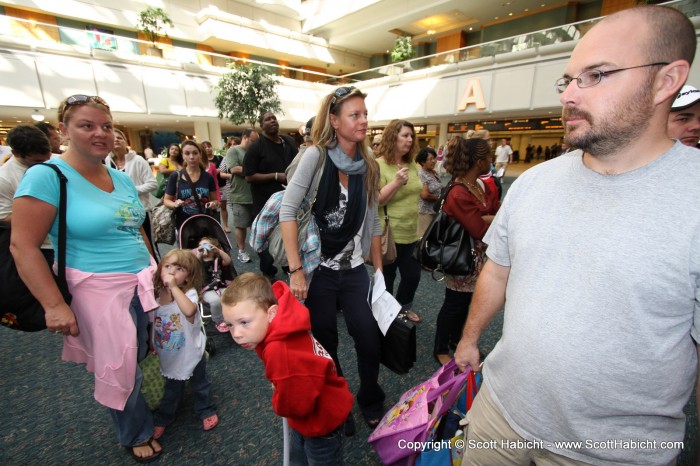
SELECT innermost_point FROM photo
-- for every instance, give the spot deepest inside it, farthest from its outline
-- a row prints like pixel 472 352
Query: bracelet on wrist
pixel 292 272
pixel 275 176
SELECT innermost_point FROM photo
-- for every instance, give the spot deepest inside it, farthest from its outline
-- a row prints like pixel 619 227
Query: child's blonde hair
pixel 249 287
pixel 183 258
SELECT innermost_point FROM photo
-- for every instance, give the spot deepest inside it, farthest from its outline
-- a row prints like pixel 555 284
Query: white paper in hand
pixel 385 307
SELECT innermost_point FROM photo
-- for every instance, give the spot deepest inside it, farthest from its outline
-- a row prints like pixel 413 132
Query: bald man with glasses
pixel 596 257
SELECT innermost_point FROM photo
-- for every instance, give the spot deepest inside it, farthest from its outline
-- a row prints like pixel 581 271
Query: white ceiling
pixel 365 29
pixel 368 29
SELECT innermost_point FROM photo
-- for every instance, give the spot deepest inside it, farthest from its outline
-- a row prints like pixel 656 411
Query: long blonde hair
pixel 323 134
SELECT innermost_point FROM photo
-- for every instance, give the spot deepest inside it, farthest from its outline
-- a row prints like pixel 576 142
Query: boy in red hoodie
pixel 307 389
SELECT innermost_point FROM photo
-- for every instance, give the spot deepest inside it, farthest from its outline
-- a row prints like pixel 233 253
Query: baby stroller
pixel 191 233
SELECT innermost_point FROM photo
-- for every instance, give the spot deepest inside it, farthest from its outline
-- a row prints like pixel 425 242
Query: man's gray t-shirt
pixel 601 302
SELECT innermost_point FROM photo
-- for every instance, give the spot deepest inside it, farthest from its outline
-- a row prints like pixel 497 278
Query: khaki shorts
pixel 489 440
pixel 242 215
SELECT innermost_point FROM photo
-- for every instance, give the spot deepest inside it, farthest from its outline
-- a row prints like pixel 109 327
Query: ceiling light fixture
pixel 36 116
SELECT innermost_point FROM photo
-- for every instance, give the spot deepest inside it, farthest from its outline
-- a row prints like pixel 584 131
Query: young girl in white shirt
pixel 179 339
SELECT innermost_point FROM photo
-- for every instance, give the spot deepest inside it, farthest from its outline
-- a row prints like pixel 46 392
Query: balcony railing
pixel 533 41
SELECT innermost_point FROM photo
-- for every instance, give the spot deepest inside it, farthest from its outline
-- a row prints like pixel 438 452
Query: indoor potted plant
pixel 403 49
pixel 152 22
pixel 245 92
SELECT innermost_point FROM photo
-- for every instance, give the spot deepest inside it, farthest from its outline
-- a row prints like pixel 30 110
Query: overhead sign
pixel 457 127
pixel 527 124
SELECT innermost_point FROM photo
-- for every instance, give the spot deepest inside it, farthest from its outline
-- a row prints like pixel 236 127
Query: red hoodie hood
pixel 292 316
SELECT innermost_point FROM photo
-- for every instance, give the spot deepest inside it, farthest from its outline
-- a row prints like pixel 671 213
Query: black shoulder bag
pixel 19 309
pixel 446 248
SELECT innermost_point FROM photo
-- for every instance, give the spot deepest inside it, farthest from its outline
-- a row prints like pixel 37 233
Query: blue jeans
pixel 348 290
pixel 410 274
pixel 326 450
pixel 135 423
pixel 175 389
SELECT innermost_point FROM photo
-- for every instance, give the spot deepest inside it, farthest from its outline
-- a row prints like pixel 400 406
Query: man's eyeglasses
pixel 341 92
pixel 593 77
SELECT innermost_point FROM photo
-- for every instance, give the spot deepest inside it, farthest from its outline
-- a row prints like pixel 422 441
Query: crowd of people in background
pixel 365 184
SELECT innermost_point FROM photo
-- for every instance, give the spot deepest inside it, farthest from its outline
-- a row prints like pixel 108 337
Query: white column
pixel 443 135
pixel 215 134
pixel 201 131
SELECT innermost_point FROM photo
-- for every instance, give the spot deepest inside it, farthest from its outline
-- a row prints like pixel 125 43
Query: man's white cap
pixel 687 97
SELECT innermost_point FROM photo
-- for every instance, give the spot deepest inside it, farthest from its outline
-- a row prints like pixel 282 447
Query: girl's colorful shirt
pixel 179 343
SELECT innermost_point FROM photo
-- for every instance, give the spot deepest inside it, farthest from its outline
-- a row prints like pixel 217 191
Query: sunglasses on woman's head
pixel 341 92
pixel 80 99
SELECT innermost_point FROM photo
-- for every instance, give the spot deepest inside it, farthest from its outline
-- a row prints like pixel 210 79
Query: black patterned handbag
pixel 19 309
pixel 446 248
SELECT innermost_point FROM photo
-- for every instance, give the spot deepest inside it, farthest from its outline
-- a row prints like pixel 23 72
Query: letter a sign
pixel 472 95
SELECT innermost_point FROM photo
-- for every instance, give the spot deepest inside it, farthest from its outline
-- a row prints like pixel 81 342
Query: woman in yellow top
pixel 400 189
pixel 173 162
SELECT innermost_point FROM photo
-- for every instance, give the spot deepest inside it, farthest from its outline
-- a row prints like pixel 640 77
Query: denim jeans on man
pixel 135 422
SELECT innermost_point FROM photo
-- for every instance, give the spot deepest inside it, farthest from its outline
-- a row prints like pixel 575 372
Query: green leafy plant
pixel 152 22
pixel 245 92
pixel 403 49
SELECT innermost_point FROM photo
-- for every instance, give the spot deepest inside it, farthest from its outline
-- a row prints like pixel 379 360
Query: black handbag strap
pixel 449 187
pixel 62 206
pixel 194 190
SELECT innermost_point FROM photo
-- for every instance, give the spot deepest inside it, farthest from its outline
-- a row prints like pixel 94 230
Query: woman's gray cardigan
pixel 299 184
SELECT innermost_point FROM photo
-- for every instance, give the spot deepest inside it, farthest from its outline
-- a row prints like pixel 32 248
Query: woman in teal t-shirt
pixel 106 256
pixel 400 188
